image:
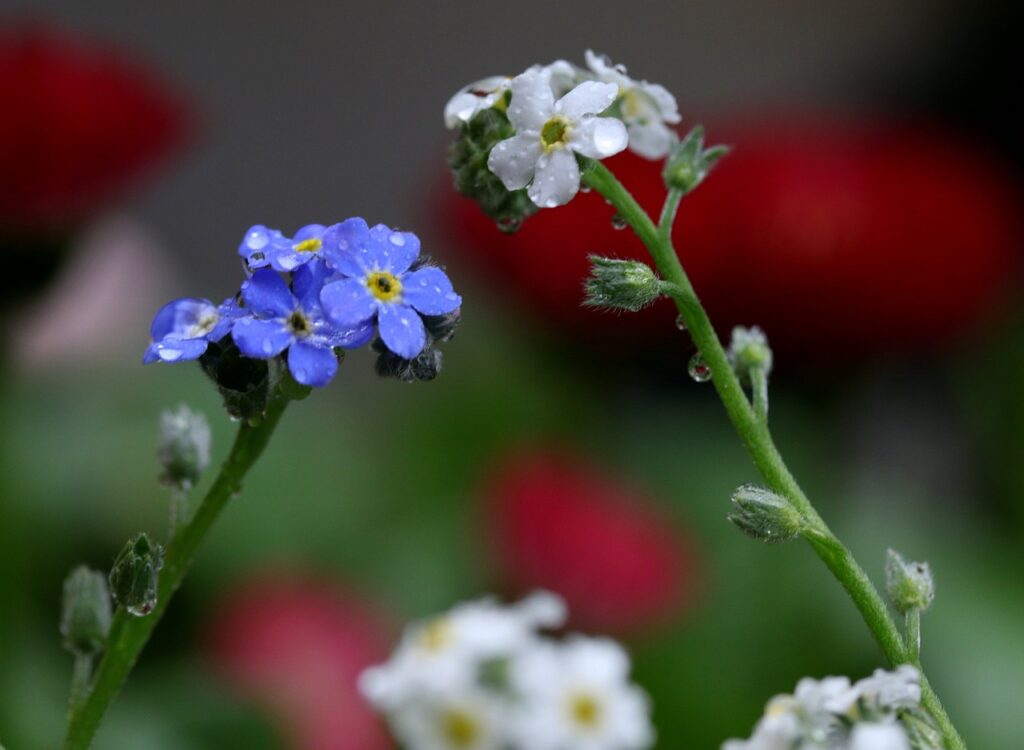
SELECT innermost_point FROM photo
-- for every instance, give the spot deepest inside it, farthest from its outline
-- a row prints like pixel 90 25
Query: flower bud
pixel 473 179
pixel 244 383
pixel 85 613
pixel 909 584
pixel 761 514
pixel 621 284
pixel 136 573
pixel 424 366
pixel 689 162
pixel 749 349
pixel 184 450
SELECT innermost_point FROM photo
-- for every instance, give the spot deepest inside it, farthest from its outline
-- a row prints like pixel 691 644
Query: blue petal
pixel 348 302
pixel 227 312
pixel 342 246
pixel 261 339
pixel 266 294
pixel 176 350
pixel 256 245
pixel 402 330
pixel 388 250
pixel 307 283
pixel 312 365
pixel 309 232
pixel 430 291
pixel 350 338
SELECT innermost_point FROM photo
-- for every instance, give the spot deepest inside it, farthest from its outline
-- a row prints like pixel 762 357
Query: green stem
pixel 754 432
pixel 129 634
pixel 80 675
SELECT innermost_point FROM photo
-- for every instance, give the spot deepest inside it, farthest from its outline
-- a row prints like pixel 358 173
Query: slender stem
pixel 180 508
pixel 129 634
pixel 913 629
pixel 81 673
pixel 754 432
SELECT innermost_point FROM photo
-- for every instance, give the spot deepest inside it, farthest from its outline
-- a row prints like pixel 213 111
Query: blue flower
pixel 281 318
pixel 182 329
pixel 263 247
pixel 376 284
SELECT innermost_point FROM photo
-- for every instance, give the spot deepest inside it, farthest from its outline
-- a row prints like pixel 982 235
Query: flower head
pixel 646 108
pixel 281 318
pixel 550 133
pixel 377 283
pixel 183 328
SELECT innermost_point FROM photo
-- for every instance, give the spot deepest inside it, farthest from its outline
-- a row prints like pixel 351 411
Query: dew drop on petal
pixel 699 369
pixel 619 221
pixel 397 240
pixel 169 355
pixel 256 238
pixel 550 203
pixel 268 346
pixel 300 375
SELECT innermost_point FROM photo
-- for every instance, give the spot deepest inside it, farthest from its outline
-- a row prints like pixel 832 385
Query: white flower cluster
pixel 483 677
pixel 556 111
pixel 832 714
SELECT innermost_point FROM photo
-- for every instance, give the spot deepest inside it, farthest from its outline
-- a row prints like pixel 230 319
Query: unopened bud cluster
pixel 85 612
pixel 135 576
pixel 762 514
pixel 621 284
pixel 184 451
pixel 748 350
pixel 689 162
pixel 909 584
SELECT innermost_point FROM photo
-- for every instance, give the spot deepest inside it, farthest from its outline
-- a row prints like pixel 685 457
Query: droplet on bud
pixel 509 224
pixel 699 369
pixel 619 221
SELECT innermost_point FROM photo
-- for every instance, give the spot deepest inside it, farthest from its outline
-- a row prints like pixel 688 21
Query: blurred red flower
pixel 80 122
pixel 557 523
pixel 298 646
pixel 838 238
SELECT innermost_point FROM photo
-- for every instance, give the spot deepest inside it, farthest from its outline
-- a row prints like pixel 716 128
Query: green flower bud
pixel 909 584
pixel 468 161
pixel 761 514
pixel 244 383
pixel 184 451
pixel 689 162
pixel 749 349
pixel 621 284
pixel 136 574
pixel 85 613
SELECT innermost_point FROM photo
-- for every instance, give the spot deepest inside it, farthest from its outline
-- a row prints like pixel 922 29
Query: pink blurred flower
pixel 557 523
pixel 297 646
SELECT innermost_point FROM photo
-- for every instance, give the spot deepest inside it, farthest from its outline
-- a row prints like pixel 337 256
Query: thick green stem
pixel 129 634
pixel 754 431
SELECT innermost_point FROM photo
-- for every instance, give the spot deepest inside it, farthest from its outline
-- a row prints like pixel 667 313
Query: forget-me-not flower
pixel 183 328
pixel 262 247
pixel 281 318
pixel 376 284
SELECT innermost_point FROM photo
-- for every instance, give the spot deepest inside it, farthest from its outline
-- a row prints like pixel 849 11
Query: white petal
pixel 663 100
pixel 878 737
pixel 599 137
pixel 651 141
pixel 460 108
pixel 563 77
pixel 532 100
pixel 556 180
pixel 589 98
pixel 515 159
pixel 605 71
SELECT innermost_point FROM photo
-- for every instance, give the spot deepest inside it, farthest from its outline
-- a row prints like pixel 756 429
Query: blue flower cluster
pixel 324 289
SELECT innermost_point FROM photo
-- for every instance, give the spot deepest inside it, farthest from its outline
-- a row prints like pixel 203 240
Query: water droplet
pixel 699 369
pixel 142 609
pixel 619 221
pixel 585 188
pixel 397 240
pixel 509 224
pixel 680 322
pixel 257 237
pixel 169 355
pixel 550 203
pixel 300 375
pixel 268 346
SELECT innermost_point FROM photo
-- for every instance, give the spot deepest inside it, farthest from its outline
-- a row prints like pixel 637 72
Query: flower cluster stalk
pixel 751 425
pixel 128 633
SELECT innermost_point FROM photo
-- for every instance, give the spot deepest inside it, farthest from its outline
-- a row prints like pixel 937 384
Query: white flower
pixel 867 736
pixel 474 98
pixel 647 108
pixel 444 654
pixel 882 691
pixel 577 696
pixel 773 732
pixel 549 133
pixel 467 720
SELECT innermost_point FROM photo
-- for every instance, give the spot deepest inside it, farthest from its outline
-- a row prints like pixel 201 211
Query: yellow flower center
pixel 435 635
pixel 585 710
pixel 460 728
pixel 308 246
pixel 204 325
pixel 555 133
pixel 384 286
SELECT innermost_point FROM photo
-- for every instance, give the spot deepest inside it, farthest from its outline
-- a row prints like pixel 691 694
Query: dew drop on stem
pixel 699 369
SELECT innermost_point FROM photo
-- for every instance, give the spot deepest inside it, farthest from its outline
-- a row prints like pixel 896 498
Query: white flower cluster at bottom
pixel 832 714
pixel 483 677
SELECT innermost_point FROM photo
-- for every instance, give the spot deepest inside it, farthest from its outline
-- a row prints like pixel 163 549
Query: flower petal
pixel 430 291
pixel 514 160
pixel 266 294
pixel 341 242
pixel 173 349
pixel 312 365
pixel 308 281
pixel 402 330
pixel 388 250
pixel 652 141
pixel 557 179
pixel 261 339
pixel 345 338
pixel 256 244
pixel 599 137
pixel 532 101
pixel 589 98
pixel 347 303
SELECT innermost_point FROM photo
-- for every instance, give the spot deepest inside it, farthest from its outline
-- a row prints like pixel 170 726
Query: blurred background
pixel 868 219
